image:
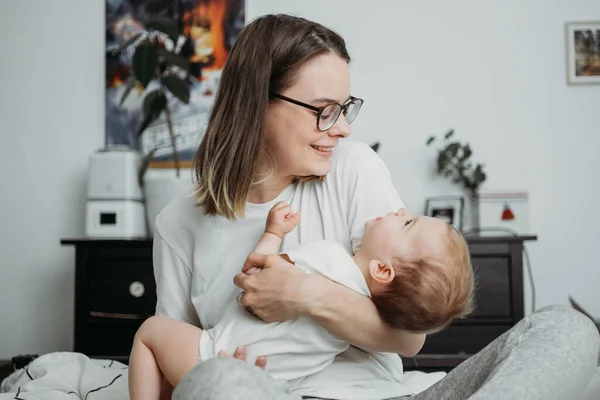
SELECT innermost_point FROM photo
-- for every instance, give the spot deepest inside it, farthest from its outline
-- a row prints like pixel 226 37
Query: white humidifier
pixel 115 201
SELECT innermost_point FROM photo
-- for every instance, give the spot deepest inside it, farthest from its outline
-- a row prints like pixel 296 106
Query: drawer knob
pixel 136 289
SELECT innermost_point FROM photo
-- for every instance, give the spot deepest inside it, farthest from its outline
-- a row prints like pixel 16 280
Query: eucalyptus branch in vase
pixel 454 162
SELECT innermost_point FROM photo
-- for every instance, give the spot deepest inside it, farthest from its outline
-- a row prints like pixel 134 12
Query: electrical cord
pixel 472 232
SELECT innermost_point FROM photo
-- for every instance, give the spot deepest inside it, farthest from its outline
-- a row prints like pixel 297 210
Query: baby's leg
pixel 162 347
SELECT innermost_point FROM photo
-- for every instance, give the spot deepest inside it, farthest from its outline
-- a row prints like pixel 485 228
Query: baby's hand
pixel 282 219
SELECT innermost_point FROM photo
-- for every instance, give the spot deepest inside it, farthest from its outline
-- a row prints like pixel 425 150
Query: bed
pixel 73 376
pixel 67 375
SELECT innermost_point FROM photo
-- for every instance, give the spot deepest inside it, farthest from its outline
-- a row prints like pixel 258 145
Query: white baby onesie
pixel 296 348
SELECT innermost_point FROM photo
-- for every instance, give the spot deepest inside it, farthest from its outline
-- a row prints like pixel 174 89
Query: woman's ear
pixel 381 272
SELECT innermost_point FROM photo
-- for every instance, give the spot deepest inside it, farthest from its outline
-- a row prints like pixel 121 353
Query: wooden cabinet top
pixel 143 242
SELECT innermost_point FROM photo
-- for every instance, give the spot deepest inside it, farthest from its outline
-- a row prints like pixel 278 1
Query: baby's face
pixel 404 235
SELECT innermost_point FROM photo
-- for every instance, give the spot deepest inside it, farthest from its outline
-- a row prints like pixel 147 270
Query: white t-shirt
pixel 196 256
pixel 296 348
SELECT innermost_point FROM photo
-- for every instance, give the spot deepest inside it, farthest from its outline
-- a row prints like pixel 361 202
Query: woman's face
pixel 297 146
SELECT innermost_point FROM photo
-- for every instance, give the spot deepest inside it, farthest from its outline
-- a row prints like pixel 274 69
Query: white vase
pixel 160 188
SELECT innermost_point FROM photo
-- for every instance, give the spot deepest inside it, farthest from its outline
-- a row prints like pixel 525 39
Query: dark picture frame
pixel 450 209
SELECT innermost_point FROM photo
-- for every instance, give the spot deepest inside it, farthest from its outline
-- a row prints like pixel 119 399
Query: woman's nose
pixel 341 128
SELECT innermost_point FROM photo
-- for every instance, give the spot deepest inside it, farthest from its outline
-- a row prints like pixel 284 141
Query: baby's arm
pixel 281 221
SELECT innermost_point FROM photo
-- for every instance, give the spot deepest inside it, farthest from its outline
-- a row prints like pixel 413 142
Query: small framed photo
pixel 583 52
pixel 447 208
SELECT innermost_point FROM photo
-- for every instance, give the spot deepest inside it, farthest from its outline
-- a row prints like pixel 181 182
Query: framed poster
pixel 583 52
pixel 207 30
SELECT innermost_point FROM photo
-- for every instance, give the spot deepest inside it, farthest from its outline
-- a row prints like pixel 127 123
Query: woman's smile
pixel 323 150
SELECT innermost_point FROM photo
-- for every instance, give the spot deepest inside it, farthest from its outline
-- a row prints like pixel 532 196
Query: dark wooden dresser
pixel 499 304
pixel 115 292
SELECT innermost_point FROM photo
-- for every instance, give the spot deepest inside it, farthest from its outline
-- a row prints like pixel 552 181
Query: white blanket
pixel 67 376
pixel 73 376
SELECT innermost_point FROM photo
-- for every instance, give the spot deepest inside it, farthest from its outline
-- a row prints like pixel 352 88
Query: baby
pixel 416 270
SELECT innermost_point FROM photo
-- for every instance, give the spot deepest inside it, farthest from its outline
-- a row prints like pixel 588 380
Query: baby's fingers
pixel 296 217
pixel 241 353
pixel 261 362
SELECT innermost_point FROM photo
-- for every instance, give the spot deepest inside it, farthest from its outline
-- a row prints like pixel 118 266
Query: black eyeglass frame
pixel 319 110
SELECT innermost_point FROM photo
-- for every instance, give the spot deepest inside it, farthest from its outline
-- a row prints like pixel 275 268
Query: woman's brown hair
pixel 265 58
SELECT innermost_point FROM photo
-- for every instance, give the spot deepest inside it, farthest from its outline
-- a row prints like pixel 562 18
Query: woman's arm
pixel 173 282
pixel 282 292
pixel 354 318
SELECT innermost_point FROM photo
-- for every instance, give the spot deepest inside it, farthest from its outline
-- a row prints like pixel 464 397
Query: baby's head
pixel 419 273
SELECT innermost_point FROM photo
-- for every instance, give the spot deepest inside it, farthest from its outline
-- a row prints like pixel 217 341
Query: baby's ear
pixel 381 272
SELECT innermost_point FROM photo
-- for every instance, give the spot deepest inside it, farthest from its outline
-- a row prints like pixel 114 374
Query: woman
pixel 276 133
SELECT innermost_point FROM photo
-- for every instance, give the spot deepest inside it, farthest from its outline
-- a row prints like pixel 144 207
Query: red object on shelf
pixel 507 214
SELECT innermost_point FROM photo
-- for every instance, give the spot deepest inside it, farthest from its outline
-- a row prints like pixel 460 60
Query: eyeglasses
pixel 329 114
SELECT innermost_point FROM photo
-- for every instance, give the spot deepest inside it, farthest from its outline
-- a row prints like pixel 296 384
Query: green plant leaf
pixel 174 59
pixel 144 63
pixel 154 104
pixel 469 184
pixel 430 140
pixel 149 100
pixel 130 41
pixel 466 152
pixel 164 25
pixel 452 149
pixel 449 134
pixel 146 120
pixel 178 87
pixel 130 85
pixel 478 174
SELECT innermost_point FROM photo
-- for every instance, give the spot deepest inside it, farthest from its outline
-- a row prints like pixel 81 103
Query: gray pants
pixel 551 354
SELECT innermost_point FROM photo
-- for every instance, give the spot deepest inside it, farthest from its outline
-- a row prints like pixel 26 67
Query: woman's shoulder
pixel 178 221
pixel 347 150
pixel 352 159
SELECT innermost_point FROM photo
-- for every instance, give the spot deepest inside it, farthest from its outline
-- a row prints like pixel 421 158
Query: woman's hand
pixel 274 292
pixel 242 354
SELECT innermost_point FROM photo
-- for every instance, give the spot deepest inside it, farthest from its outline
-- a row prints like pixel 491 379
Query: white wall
pixel 51 119
pixel 494 71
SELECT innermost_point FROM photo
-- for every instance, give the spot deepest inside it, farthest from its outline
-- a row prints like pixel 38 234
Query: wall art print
pixel 583 52
pixel 207 30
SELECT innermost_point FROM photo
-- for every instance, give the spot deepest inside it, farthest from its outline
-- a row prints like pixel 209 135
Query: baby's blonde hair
pixel 429 292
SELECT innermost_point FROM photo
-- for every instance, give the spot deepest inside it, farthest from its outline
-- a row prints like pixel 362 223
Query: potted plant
pixel 454 162
pixel 160 75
